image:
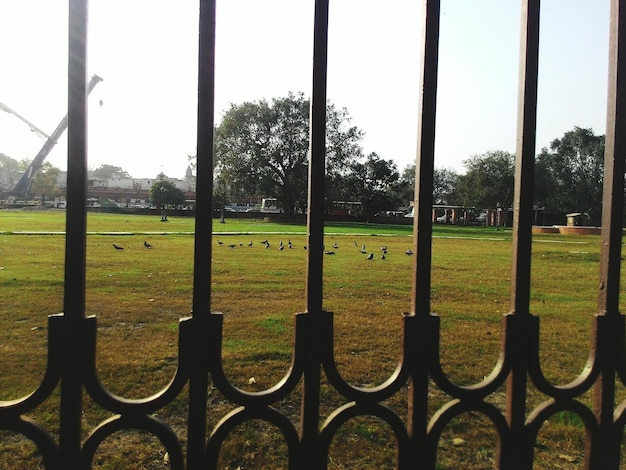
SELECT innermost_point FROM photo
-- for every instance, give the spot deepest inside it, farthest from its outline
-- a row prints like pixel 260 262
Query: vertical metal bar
pixel 310 412
pixel 76 215
pixel 425 162
pixel 317 151
pixel 525 158
pixel 615 149
pixel 610 324
pixel 518 454
pixel 201 308
pixel 422 234
pixel 75 240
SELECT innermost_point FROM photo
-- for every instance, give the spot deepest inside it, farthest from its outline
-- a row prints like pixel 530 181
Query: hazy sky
pixel 146 52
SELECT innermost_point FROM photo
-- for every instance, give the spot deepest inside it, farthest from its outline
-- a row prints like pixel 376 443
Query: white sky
pixel 146 52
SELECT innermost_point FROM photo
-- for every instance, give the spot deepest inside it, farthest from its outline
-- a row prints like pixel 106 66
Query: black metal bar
pixel 317 151
pixel 201 307
pixel 422 237
pixel 75 241
pixel 310 407
pixel 425 162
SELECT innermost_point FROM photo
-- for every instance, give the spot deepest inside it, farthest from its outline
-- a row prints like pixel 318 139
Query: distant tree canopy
pixel 569 174
pixel 489 180
pixel 375 183
pixel 164 192
pixel 109 171
pixel 261 149
pixel 45 182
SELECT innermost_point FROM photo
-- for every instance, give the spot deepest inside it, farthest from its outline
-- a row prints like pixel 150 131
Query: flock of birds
pixel 335 246
pixel 327 251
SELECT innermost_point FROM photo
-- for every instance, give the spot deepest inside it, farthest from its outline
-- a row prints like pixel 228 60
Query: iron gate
pixel 72 335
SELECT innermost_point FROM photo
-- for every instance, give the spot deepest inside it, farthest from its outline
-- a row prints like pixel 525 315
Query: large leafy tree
pixel 165 192
pixel 569 174
pixel 261 148
pixel 375 183
pixel 489 180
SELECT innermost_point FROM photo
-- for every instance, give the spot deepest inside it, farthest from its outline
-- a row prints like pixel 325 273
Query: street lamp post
pixel 163 190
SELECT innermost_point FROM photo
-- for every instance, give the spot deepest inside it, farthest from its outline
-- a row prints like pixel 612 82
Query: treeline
pixel 261 150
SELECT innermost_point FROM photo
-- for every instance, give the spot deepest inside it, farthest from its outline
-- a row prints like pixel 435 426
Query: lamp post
pixel 163 190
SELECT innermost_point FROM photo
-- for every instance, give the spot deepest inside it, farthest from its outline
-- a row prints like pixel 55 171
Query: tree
pixel 261 148
pixel 445 182
pixel 109 171
pixel 375 183
pixel 45 182
pixel 164 192
pixel 489 180
pixel 569 175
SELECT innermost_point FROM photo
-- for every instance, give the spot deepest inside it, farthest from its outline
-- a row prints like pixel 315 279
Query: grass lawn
pixel 139 295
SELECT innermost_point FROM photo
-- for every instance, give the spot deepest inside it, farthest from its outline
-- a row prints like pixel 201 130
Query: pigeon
pixel 117 247
pixel 147 245
pixel 219 242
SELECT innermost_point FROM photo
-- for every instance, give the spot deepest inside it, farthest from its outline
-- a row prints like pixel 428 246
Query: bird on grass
pixel 117 247
pixel 370 256
pixel 281 247
pixel 250 244
pixel 382 256
pixel 409 251
pixel 289 244
pixel 335 246
pixel 147 245
pixel 232 246
pixel 219 242
pixel 329 252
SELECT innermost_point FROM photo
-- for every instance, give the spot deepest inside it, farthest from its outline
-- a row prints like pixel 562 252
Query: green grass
pixel 138 296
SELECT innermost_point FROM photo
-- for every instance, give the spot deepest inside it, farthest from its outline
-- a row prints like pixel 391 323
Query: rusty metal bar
pixel 615 149
pixel 525 158
pixel 609 340
pixel 517 455
pixel 75 240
